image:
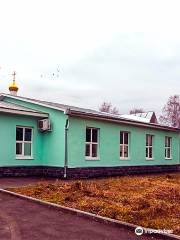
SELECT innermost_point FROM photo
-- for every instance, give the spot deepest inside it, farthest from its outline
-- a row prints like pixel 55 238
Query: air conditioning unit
pixel 44 125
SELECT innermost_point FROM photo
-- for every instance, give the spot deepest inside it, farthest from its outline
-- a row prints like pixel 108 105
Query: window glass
pixel 125 138
pixel 121 150
pixel 23 142
pixel 28 134
pixel 147 142
pixel 19 134
pixel 124 144
pixel 88 134
pixel 94 135
pixel 91 150
pixel 27 149
pixel 169 153
pixel 167 147
pixel 150 152
pixel 121 137
pixel 149 146
pixel 150 140
pixel 94 150
pixel 19 148
pixel 125 151
pixel 167 141
pixel 87 150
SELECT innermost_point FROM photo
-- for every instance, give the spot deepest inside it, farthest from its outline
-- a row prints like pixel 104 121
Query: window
pixel 92 143
pixel 23 142
pixel 124 145
pixel 149 146
pixel 168 141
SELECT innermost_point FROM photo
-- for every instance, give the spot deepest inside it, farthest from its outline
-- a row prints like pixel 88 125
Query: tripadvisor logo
pixel 139 231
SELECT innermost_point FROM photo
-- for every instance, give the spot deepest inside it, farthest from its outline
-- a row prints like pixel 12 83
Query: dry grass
pixel 151 201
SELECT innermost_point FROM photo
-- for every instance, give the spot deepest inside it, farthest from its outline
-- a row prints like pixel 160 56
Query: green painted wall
pixel 52 148
pixel 8 140
pixel 109 145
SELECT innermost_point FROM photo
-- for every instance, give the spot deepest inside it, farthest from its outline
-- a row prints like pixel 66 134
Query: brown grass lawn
pixel 151 201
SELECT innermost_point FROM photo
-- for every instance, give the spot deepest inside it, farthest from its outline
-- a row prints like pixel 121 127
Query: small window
pixel 149 146
pixel 124 145
pixel 168 141
pixel 92 143
pixel 23 142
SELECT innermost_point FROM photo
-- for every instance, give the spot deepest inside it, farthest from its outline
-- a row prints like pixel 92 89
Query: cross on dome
pixel 14 76
pixel 13 88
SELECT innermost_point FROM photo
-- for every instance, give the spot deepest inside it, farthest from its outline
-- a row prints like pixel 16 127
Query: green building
pixel 42 138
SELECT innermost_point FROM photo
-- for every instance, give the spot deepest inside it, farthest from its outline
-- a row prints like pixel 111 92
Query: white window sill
pixel 24 158
pixel 92 158
pixel 168 158
pixel 121 158
pixel 150 159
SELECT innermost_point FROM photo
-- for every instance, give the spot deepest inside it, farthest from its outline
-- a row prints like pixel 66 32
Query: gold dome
pixel 13 87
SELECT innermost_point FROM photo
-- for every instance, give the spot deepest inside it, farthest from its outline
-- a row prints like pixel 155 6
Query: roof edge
pixel 71 112
pixel 23 112
pixel 120 120
pixel 31 101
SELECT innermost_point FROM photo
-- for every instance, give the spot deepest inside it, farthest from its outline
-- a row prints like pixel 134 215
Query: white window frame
pixel 168 147
pixel 22 156
pixel 92 143
pixel 148 147
pixel 123 145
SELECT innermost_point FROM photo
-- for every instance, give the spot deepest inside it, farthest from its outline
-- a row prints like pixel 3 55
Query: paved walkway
pixel 22 181
pixel 25 220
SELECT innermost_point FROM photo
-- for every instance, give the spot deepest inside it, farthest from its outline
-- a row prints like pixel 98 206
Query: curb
pixel 91 216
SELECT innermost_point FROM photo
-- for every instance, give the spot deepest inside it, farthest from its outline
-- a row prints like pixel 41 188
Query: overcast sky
pixel 84 52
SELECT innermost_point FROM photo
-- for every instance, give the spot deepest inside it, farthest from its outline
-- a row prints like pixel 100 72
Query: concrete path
pixel 22 181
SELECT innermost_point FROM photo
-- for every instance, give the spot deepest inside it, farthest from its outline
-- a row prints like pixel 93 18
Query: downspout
pixel 66 144
pixel 179 153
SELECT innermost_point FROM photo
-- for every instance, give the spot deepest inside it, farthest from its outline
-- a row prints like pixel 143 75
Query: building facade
pixel 80 142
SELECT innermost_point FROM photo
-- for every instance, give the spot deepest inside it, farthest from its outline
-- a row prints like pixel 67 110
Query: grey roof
pixel 147 115
pixel 136 118
pixel 84 112
pixel 65 107
pixel 141 117
pixel 55 105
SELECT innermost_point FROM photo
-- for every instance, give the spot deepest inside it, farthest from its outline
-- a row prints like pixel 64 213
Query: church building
pixel 41 138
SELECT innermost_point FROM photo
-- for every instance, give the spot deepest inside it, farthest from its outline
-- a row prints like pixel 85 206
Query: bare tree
pixel 108 108
pixel 114 110
pixel 136 110
pixel 171 112
pixel 105 107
